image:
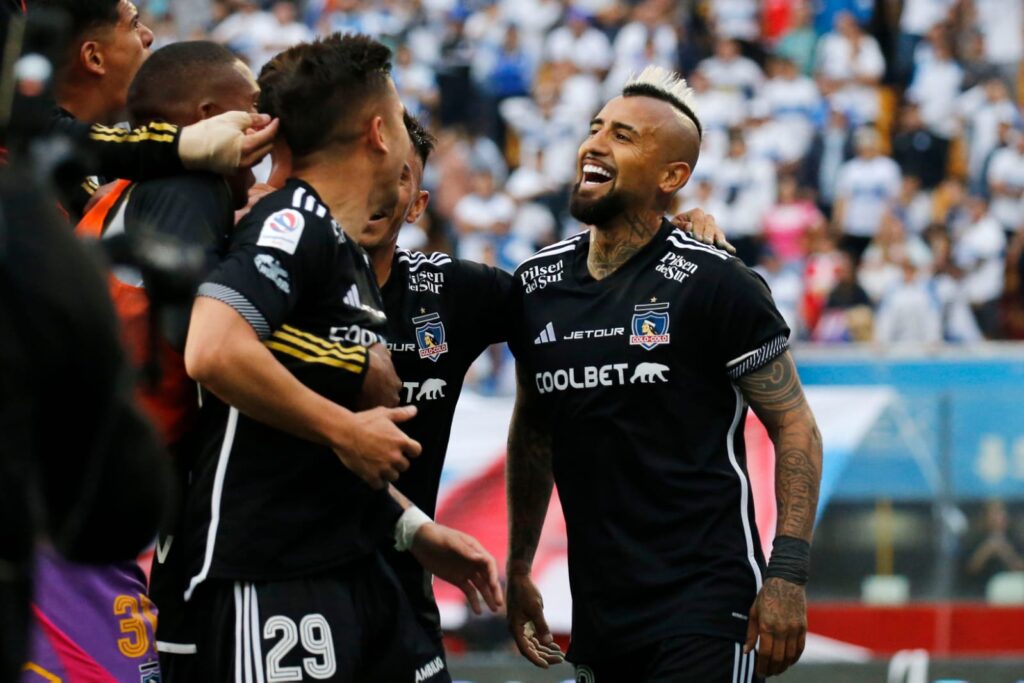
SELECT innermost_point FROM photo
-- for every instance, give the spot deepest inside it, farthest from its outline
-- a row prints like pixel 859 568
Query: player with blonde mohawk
pixel 641 426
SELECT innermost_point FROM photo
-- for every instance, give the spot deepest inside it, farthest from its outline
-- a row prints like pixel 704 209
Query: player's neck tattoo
pixel 613 246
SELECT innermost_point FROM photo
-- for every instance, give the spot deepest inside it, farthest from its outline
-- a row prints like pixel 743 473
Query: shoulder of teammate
pixel 285 245
pixel 197 208
pixel 482 293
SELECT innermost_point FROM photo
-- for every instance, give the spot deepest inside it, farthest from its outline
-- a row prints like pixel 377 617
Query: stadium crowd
pixel 867 157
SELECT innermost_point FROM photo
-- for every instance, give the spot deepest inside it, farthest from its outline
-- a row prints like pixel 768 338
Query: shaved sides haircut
pixel 173 76
pixel 663 84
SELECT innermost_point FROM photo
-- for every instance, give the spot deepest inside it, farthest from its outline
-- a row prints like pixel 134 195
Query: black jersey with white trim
pixel 266 504
pixel 635 373
pixel 442 313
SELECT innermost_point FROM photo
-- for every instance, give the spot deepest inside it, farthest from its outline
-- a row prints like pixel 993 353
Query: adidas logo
pixel 352 298
pixel 547 335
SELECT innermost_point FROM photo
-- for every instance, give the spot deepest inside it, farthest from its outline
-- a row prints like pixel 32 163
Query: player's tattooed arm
pixel 777 625
pixel 609 250
pixel 776 396
pixel 529 480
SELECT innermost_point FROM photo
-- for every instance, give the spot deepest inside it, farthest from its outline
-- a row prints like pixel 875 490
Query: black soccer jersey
pixel 635 373
pixel 265 504
pixel 442 313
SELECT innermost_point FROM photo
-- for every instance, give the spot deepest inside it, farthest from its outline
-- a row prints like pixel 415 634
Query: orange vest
pixel 172 403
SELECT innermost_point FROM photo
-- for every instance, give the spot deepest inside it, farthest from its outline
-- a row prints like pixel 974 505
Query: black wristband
pixel 791 560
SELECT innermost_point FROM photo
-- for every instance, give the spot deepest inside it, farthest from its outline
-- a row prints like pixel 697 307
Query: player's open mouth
pixel 596 175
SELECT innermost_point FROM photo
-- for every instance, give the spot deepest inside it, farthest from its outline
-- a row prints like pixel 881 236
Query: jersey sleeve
pixel 746 331
pixel 271 261
pixel 516 314
pixel 145 153
pixel 487 292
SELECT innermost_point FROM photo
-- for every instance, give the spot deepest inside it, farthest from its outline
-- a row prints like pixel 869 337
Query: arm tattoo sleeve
pixel 529 480
pixel 775 395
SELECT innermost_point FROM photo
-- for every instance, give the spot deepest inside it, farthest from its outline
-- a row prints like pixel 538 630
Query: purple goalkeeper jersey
pixel 91 624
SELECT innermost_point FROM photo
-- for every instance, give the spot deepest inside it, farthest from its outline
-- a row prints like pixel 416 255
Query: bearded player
pixel 641 427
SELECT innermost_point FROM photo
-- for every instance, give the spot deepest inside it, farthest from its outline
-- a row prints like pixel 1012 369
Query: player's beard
pixel 597 212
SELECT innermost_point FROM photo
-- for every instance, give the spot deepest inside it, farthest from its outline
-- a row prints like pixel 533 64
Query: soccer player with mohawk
pixel 637 358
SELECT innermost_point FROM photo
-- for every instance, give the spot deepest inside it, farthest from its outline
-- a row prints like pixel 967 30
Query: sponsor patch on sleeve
pixel 282 230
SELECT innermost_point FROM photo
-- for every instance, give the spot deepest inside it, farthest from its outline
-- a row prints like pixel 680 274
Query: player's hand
pixel 373 446
pixel 381 386
pixel 226 142
pixel 779 618
pixel 256 193
pixel 704 228
pixel 460 560
pixel 527 624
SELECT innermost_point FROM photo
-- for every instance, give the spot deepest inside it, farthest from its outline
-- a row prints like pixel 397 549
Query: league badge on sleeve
pixel 650 325
pixel 282 230
pixel 430 336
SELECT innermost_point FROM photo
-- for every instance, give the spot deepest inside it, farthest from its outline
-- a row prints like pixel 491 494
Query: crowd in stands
pixel 866 156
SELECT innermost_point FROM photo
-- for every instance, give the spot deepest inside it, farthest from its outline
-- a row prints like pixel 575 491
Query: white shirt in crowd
pixel 746 185
pixel 631 42
pixel 919 16
pixel 739 75
pixel 1001 23
pixel 868 187
pixel 978 251
pixel 479 214
pixel 793 103
pixel 736 19
pixel 1007 167
pixel 983 117
pixel 838 60
pixel 272 37
pixel 909 314
pixel 590 52
pixel 935 88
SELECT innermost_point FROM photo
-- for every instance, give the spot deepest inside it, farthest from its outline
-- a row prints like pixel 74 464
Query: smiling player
pixel 640 427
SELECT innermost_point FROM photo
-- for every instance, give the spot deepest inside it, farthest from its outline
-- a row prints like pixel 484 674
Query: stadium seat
pixel 1005 588
pixel 879 589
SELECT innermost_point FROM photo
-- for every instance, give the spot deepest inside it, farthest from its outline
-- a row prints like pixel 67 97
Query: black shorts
pixel 680 659
pixel 354 624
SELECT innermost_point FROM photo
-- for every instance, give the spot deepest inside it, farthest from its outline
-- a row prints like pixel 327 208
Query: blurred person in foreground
pixel 108 45
pixel 668 581
pixel 75 455
pixel 180 84
pixel 284 338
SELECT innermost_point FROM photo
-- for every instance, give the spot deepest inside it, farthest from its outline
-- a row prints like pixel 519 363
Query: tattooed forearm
pixel 613 246
pixel 528 479
pixel 775 395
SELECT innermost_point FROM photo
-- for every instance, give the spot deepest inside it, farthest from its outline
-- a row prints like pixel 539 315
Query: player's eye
pixel 621 136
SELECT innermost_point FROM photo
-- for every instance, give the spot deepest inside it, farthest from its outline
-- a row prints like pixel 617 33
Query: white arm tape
pixel 408 524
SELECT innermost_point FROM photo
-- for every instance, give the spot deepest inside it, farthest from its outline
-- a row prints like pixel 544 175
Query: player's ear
pixel 418 207
pixel 674 177
pixel 90 55
pixel 376 135
pixel 207 109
